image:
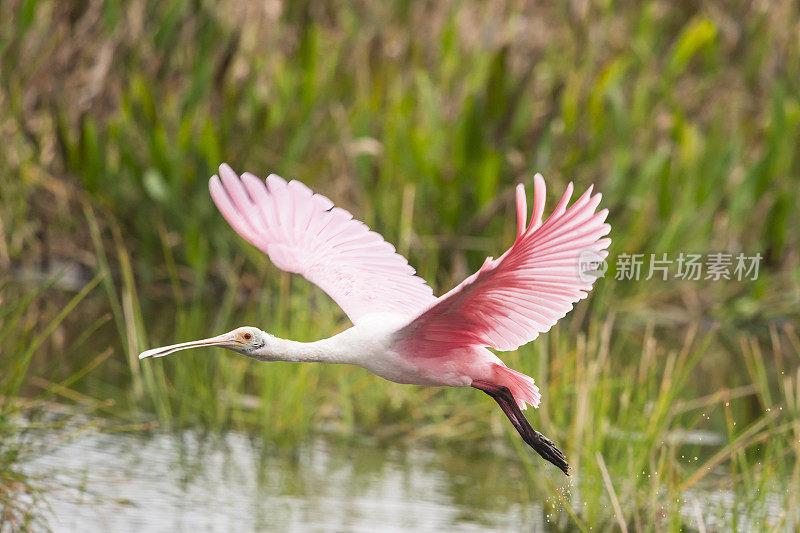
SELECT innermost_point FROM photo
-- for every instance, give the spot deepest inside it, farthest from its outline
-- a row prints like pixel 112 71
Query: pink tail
pixel 521 386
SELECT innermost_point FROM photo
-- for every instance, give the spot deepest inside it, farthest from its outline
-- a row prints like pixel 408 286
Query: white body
pixel 371 344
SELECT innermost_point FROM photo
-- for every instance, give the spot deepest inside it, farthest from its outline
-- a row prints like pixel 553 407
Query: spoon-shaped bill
pixel 226 341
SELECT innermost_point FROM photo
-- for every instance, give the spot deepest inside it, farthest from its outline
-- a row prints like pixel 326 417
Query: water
pixel 183 482
pixel 122 482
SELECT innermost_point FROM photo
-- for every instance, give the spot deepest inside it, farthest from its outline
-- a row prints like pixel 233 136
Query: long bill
pixel 225 340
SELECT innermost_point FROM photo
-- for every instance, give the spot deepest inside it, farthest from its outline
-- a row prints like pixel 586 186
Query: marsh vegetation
pixel 419 118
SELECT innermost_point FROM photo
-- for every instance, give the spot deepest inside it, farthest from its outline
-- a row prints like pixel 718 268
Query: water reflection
pixel 121 482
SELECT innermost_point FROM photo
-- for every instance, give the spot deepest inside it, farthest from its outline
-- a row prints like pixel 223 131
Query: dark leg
pixel 535 440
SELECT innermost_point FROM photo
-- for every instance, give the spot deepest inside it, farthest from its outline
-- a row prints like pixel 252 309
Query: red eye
pixel 247 336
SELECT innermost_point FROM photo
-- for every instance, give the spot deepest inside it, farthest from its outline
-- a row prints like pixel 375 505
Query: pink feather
pixel 512 299
pixel 303 233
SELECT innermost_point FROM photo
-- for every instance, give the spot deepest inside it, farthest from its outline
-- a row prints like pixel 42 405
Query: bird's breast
pixel 371 344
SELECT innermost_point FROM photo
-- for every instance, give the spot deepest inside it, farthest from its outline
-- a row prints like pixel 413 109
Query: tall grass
pixel 420 119
pixel 24 328
pixel 646 424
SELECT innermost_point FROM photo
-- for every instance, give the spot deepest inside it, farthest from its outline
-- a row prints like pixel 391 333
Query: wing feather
pixel 304 233
pixel 514 298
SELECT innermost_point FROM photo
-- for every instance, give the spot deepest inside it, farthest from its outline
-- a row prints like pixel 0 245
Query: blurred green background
pixel 418 117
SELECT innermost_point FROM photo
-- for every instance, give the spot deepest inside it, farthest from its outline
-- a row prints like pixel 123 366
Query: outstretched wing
pixel 512 299
pixel 304 233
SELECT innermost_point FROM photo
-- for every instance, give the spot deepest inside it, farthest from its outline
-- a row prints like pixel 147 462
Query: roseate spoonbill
pixel 401 331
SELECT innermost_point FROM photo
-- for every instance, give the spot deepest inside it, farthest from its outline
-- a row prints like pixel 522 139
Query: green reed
pixel 27 323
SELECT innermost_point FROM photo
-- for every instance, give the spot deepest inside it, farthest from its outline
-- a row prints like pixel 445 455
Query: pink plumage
pixel 304 233
pixel 401 331
pixel 510 300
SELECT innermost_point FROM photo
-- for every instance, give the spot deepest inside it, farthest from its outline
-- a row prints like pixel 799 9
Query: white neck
pixel 322 351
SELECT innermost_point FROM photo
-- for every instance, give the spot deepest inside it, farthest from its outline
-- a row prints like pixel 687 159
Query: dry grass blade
pixel 611 493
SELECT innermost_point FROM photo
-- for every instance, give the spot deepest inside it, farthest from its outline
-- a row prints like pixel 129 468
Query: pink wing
pixel 510 300
pixel 304 233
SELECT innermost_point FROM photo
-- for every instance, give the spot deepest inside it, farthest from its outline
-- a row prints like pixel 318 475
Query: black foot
pixel 535 440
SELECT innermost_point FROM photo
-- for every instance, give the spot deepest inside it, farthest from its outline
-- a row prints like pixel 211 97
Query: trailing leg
pixel 543 446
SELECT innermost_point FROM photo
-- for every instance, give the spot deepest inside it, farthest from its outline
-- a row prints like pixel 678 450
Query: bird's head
pixel 244 340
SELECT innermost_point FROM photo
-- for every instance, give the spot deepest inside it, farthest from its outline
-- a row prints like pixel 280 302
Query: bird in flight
pixel 401 331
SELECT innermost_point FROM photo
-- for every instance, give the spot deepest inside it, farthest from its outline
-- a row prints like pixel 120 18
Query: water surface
pixel 123 482
pixel 184 482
